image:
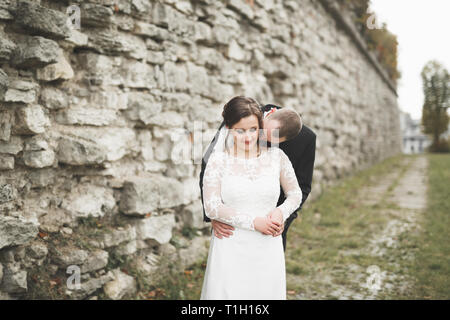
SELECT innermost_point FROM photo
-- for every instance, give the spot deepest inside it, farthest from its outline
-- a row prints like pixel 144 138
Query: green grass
pixel 432 266
pixel 345 225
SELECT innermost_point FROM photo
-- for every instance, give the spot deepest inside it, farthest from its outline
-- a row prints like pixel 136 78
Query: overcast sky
pixel 422 28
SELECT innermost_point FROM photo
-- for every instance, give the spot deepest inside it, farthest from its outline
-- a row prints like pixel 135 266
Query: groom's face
pixel 271 131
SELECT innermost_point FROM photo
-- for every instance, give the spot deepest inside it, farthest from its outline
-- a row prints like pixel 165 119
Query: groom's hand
pixel 221 229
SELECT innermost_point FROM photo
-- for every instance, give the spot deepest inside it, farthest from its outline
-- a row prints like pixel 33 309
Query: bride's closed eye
pixel 242 131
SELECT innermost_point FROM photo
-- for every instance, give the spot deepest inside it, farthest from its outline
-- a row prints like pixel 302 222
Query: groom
pixel 300 147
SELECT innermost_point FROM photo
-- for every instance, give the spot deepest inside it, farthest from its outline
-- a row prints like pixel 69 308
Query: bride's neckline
pixel 263 151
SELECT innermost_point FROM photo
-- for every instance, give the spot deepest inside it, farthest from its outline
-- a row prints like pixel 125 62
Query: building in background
pixel 414 140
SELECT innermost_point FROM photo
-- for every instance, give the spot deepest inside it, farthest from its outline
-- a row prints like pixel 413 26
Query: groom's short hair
pixel 290 122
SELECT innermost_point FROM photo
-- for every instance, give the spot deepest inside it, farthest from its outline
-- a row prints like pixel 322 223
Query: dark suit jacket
pixel 300 150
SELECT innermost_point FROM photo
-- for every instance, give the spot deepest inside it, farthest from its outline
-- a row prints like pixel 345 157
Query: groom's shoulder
pixel 307 133
pixel 305 137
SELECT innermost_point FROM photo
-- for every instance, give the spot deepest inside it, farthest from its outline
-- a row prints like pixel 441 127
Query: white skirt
pixel 246 266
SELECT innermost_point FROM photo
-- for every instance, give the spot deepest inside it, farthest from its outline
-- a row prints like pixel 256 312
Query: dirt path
pixel 399 200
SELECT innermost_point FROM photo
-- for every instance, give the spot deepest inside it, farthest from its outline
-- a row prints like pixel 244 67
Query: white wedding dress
pixel 249 264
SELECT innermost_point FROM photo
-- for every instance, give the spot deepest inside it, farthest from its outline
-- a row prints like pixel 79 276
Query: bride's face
pixel 245 133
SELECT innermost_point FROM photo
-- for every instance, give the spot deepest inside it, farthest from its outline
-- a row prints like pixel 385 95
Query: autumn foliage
pixel 379 39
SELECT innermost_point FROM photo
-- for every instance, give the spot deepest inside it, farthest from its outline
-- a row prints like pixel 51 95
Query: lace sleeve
pixel 214 206
pixel 289 183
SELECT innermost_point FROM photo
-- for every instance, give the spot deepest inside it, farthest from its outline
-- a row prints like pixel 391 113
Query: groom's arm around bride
pixel 297 141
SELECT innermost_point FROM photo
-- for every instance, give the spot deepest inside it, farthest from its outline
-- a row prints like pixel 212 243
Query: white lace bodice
pixel 237 190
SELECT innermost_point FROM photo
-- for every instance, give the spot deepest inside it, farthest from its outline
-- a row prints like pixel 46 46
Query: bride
pixel 241 186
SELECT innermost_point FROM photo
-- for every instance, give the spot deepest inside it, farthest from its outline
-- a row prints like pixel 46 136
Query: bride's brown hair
pixel 241 107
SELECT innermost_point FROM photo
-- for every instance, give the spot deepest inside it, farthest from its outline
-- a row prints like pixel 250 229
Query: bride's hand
pixel 265 225
pixel 277 216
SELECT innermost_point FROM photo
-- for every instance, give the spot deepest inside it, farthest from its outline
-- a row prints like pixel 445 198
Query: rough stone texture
pixel 35 52
pixel 196 251
pixel 86 116
pixel 97 259
pixel 31 119
pixel 190 215
pixel 121 285
pixel 41 20
pixel 6 162
pixel 7 193
pixel 37 250
pixel 89 200
pixel 21 91
pixel 39 159
pixel 4 82
pixel 158 228
pixel 69 256
pixel 13 146
pixel 6 48
pixel 141 195
pixel 16 231
pixel 53 98
pixel 61 69
pixel 116 237
pixel 107 123
pixel 89 146
pixel 95 15
pixel 14 282
pixel 142 106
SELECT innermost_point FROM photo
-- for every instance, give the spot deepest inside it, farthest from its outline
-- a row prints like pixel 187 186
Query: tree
pixel 435 119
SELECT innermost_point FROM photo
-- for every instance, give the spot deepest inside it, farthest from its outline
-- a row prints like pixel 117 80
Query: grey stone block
pixel 15 231
pixel 4 82
pixel 40 20
pixel 35 52
pixel 6 48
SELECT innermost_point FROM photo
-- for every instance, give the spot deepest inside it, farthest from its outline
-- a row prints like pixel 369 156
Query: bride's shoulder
pixel 277 152
pixel 274 150
pixel 217 155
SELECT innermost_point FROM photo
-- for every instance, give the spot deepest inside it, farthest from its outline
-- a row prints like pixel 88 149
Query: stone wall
pixel 93 119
